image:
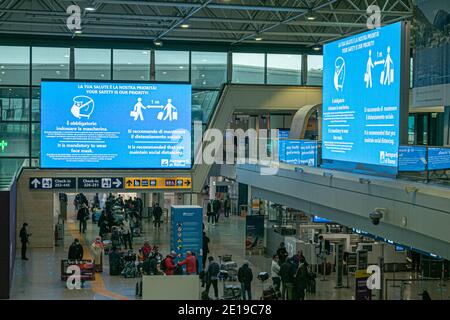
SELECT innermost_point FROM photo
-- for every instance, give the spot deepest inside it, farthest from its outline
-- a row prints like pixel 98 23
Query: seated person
pixel 146 249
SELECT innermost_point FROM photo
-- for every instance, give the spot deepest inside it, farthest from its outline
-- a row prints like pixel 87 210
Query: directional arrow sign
pixel 187 182
pixel 129 183
pixel 36 183
pixel 117 183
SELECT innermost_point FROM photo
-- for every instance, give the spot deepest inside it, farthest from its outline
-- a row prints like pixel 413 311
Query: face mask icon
pixel 83 106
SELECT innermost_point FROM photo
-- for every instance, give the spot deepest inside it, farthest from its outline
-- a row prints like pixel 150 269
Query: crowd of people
pixel 216 207
pixel 291 275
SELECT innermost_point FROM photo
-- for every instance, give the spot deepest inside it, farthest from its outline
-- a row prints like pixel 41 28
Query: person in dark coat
pixel 282 253
pixel 24 239
pixel 82 216
pixel 287 273
pixel 212 276
pixel 75 250
pixel 301 279
pixel 245 277
pixel 205 249
pixel 157 214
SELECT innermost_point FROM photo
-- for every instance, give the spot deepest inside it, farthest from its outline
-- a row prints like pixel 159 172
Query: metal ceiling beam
pixel 283 22
pixel 94 16
pixel 159 28
pixel 186 18
pixel 137 37
pixel 212 5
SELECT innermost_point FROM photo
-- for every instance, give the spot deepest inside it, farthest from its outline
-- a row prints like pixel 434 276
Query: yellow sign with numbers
pixel 157 183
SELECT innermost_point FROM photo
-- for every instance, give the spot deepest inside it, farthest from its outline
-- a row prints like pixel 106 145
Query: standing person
pixel 75 250
pixel 245 277
pixel 275 273
pixel 24 239
pixel 168 265
pixel 227 207
pixel 212 276
pixel 282 253
pixel 301 279
pixel 287 273
pixel 82 216
pixel 209 213
pixel 97 248
pixel 126 233
pixel 216 210
pixel 140 204
pixel 205 249
pixel 157 213
pixel 190 262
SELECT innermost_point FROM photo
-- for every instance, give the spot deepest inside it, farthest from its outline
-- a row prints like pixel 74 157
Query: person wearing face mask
pixel 75 250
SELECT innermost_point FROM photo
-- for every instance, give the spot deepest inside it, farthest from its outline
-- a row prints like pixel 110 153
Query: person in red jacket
pixel 169 265
pixel 190 262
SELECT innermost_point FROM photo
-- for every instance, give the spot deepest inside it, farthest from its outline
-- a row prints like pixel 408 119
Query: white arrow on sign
pixel 35 183
pixel 117 183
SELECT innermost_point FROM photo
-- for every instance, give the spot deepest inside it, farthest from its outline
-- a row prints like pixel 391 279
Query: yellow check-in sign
pixel 157 183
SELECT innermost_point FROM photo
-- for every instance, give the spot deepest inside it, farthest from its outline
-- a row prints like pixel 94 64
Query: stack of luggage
pixel 130 269
pixel 230 266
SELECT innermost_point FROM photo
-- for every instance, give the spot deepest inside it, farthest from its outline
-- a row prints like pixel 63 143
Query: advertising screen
pixel 299 152
pixel 361 101
pixel 438 158
pixel 412 158
pixel 115 125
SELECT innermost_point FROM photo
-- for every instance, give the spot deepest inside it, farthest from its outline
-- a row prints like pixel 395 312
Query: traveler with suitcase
pixel 75 251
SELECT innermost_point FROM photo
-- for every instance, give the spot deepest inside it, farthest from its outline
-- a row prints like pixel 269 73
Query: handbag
pixel 133 113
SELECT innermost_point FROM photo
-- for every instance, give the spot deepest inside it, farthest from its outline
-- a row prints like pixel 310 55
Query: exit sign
pixel 3 145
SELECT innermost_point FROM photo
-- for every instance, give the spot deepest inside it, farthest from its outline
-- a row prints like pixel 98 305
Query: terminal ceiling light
pixel 185 26
pixel 316 48
pixel 89 9
pixel 157 43
pixel 258 38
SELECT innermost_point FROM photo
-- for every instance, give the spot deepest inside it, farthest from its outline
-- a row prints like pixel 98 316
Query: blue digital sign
pixel 299 152
pixel 412 158
pixel 317 219
pixel 115 125
pixel 361 101
pixel 187 231
pixel 438 158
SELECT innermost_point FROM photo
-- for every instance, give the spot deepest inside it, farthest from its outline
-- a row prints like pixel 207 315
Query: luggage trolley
pixel 230 291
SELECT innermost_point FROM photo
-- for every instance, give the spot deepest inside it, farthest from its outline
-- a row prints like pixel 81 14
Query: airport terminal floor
pixel 39 277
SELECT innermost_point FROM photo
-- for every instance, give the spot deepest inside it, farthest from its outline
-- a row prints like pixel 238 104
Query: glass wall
pixel 315 70
pixel 172 65
pixel 14 104
pixel 284 69
pixel 131 65
pixel 14 65
pixel 14 140
pixel 209 69
pixel 248 67
pixel 50 63
pixel 93 64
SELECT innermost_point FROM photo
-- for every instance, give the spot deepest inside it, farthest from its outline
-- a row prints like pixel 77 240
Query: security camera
pixel 376 215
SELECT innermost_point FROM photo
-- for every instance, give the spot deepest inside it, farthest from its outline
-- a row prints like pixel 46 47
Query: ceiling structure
pixel 306 23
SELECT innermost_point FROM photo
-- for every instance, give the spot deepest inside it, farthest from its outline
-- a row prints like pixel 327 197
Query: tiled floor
pixel 39 278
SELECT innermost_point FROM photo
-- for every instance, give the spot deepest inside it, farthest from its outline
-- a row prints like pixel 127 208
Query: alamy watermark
pixel 374 20
pixel 73 22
